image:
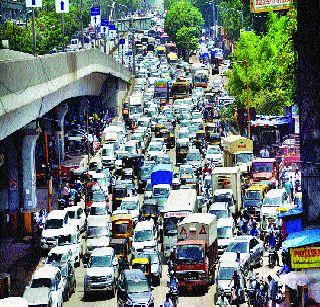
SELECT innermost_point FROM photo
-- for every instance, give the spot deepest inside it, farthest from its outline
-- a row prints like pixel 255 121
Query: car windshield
pixel 186 170
pixel 273 202
pixel 68 239
pixel 244 158
pixel 213 151
pixel 122 228
pixel 42 283
pixel 53 257
pixel 137 286
pixel 54 224
pixel 129 205
pixel 262 167
pixel 252 194
pixel 225 273
pixel 170 225
pixel 97 231
pixel 219 213
pixel 224 232
pixel 160 192
pixel 100 261
pixel 149 209
pixel 194 157
pixel 107 152
pixel 241 247
pixel 143 235
pixel 98 211
pixel 188 254
pixel 98 197
pixel 155 147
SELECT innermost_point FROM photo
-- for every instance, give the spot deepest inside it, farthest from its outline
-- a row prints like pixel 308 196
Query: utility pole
pixel 133 48
pixel 81 25
pixel 48 170
pixel 34 37
pixel 247 100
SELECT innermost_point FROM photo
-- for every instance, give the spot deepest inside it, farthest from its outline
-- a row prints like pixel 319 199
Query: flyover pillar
pixel 307 44
pixel 32 133
pixel 62 111
pixel 11 146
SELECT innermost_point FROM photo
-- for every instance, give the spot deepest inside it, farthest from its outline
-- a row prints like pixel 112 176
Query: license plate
pixel 97 286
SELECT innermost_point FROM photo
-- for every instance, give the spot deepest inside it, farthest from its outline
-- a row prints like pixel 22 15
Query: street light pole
pixel 34 37
pixel 247 100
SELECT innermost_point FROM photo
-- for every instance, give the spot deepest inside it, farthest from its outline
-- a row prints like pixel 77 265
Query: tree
pixel 267 63
pixel 187 40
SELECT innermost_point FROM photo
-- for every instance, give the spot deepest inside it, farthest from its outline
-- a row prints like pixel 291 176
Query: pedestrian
pixel 65 192
pixel 272 291
pixel 289 189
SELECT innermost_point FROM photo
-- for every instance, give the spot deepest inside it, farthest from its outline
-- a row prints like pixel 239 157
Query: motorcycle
pixel 173 292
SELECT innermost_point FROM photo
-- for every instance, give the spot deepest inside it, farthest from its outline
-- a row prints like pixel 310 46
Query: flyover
pixel 30 87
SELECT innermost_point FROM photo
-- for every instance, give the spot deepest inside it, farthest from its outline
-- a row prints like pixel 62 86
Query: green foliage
pixel 183 23
pixel 267 64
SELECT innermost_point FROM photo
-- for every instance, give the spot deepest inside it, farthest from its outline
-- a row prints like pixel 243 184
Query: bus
pixel 180 89
pixel 180 203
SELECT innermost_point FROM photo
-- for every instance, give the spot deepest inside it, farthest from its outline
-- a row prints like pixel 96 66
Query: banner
pixel 264 6
pixel 305 257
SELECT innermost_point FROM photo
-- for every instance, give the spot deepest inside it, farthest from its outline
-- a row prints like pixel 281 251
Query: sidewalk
pixel 19 259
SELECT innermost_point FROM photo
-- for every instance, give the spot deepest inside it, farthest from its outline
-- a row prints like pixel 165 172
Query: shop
pixel 303 282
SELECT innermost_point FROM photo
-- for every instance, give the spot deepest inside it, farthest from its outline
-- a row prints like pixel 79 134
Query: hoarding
pixel 305 257
pixel 264 6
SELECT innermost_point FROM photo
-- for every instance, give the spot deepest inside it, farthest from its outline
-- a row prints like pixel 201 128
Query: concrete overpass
pixel 30 87
pixel 33 87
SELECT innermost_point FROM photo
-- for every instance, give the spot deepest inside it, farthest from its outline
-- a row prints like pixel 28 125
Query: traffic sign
pixel 62 6
pixel 95 20
pixel 122 41
pixel 104 22
pixel 33 3
pixel 95 11
pixel 104 29
pixel 112 27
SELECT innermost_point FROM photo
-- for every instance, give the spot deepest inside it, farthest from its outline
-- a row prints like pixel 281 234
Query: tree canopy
pixel 267 63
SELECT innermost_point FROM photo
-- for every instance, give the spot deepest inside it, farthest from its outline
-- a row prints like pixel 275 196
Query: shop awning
pixel 302 238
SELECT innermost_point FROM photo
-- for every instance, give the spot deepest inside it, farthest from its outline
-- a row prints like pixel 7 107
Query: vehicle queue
pixel 168 183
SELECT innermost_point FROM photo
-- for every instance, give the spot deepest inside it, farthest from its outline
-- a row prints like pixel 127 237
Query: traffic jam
pixel 169 195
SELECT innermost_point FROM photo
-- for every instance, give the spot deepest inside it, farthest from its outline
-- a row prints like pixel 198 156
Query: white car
pixel 250 249
pixel 59 255
pixel 132 205
pixel 214 155
pixel 54 226
pixel 225 229
pixel 108 155
pixel 102 271
pixel 50 278
pixel 77 217
pixel 144 236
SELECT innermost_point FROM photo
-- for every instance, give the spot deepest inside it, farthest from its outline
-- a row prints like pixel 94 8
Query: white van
pixel 274 199
pixel 144 236
pixel 56 222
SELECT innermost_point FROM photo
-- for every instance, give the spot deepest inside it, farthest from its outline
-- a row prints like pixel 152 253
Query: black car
pixel 134 289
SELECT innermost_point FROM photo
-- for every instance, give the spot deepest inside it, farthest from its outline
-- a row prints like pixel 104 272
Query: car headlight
pixel 109 276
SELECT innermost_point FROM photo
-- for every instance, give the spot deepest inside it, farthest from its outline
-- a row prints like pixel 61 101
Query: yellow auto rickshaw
pixel 122 226
pixel 144 265
pixel 120 246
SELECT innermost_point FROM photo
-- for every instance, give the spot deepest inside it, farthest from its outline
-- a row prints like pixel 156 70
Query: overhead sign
pixel 95 11
pixel 33 3
pixel 96 20
pixel 264 6
pixel 305 257
pixel 122 41
pixel 104 22
pixel 62 6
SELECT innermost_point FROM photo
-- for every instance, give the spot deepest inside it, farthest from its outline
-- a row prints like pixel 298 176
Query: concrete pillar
pixel 29 168
pixel 62 111
pixel 308 84
pixel 121 94
pixel 12 157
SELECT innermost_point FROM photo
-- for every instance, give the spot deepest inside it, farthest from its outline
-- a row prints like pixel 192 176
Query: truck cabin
pixel 265 170
pixel 190 252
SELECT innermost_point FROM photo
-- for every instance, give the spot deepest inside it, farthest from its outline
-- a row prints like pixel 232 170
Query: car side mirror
pixel 85 265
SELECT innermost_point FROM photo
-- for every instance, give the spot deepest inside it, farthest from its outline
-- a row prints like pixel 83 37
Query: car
pixel 187 175
pixel 224 279
pixel 250 249
pixel 134 289
pixel 144 236
pixel 35 297
pixel 214 155
pixel 50 278
pixel 77 217
pixel 132 205
pixel 54 226
pixel 18 301
pixel 76 135
pixel 194 158
pixel 108 156
pixel 60 255
pixel 102 271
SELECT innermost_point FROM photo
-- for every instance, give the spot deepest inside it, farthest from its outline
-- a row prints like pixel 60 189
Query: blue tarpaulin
pixel 162 174
pixel 302 238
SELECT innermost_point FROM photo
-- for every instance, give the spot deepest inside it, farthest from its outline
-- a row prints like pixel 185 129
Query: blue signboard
pixel 95 11
pixel 112 27
pixel 104 22
pixel 122 41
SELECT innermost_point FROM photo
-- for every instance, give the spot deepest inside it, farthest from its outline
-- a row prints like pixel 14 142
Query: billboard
pixel 305 257
pixel 264 6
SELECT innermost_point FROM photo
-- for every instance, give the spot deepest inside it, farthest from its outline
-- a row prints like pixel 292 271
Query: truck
pixel 238 150
pixel 196 254
pixel 265 171
pixel 201 78
pixel 135 106
pixel 228 178
pixel 180 203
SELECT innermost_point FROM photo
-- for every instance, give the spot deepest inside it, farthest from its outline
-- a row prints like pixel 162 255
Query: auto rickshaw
pixel 181 153
pixel 157 129
pixel 119 192
pixel 144 265
pixel 120 246
pixel 122 226
pixel 150 209
pixel 134 161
